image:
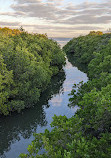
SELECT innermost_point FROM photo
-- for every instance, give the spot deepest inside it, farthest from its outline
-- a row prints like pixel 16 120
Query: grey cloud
pixel 57 2
pixel 90 19
pixel 27 1
pixel 94 12
pixel 18 13
pixel 9 23
pixel 57 28
pixel 39 9
pixel 87 28
pixel 85 13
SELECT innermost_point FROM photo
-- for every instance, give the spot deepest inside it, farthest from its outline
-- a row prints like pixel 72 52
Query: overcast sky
pixel 57 18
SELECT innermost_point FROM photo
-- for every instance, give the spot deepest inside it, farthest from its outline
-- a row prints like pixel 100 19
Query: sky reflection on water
pixel 16 131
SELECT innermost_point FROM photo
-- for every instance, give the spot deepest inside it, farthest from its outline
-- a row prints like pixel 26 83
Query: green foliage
pixel 6 80
pixel 88 133
pixel 82 48
pixel 29 61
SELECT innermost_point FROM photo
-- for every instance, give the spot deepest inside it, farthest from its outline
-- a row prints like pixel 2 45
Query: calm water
pixel 62 41
pixel 16 131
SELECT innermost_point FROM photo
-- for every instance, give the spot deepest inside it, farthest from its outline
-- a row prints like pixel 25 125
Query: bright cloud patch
pixel 58 18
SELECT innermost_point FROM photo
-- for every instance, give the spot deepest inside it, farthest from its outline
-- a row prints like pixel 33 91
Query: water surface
pixel 62 41
pixel 16 131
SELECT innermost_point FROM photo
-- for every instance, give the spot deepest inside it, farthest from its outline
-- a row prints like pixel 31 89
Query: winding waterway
pixel 16 131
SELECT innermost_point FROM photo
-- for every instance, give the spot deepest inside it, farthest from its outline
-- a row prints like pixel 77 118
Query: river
pixel 16 131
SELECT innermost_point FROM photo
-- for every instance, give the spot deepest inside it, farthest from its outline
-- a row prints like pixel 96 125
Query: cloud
pixel 84 13
pixel 56 101
pixel 9 23
pixel 27 1
pixel 60 28
pixel 17 13
pixel 57 17
pixel 87 19
pixel 36 8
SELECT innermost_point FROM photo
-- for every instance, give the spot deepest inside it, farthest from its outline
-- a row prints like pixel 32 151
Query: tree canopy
pixel 88 133
pixel 27 63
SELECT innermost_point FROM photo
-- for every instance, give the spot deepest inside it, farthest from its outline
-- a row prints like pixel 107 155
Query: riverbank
pixel 16 131
pixel 88 132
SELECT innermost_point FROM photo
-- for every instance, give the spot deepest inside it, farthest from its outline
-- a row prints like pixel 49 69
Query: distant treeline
pixel 88 133
pixel 27 63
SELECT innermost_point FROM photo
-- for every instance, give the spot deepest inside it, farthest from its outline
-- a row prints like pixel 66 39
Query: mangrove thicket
pixel 27 64
pixel 88 133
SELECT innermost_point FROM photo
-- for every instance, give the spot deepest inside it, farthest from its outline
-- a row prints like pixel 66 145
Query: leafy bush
pixel 88 133
pixel 29 61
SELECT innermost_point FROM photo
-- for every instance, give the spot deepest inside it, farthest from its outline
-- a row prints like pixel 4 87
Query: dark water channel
pixel 16 131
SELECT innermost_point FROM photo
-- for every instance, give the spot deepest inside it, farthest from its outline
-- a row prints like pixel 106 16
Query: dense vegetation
pixel 27 63
pixel 29 120
pixel 88 133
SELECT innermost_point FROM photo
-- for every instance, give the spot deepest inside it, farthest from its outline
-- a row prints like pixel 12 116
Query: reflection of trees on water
pixel 25 123
pixel 82 67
